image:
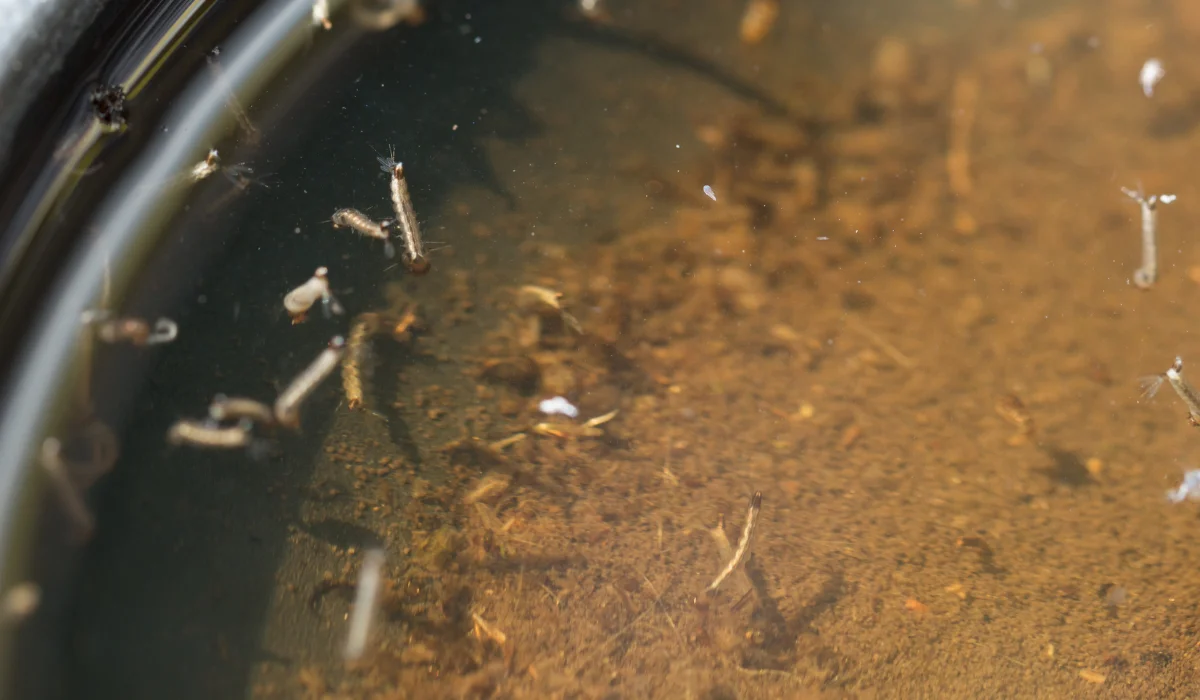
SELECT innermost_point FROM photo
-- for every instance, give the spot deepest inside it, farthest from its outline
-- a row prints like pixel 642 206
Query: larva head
pixel 420 266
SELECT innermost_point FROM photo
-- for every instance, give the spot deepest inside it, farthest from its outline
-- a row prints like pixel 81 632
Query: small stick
pixel 366 600
pixel 743 544
pixel 889 349
pixel 482 629
pixel 1146 275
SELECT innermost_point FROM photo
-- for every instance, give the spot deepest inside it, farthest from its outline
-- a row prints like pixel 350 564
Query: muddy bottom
pixel 906 319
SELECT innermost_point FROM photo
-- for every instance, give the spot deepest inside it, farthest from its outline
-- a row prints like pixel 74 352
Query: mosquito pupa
pixel 300 300
pixel 320 14
pixel 287 406
pixel 743 547
pixel 406 216
pixel 206 167
pixel 208 433
pixel 366 604
pixel 231 408
pixel 1146 275
pixel 366 226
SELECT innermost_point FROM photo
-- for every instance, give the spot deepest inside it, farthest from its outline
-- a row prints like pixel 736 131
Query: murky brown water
pixel 907 320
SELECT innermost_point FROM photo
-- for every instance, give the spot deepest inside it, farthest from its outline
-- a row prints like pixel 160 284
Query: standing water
pixel 872 262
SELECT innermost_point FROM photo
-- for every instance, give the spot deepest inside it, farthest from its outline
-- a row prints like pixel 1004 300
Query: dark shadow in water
pixel 386 384
pixel 1174 120
pixel 662 52
pixel 342 534
pixel 1068 469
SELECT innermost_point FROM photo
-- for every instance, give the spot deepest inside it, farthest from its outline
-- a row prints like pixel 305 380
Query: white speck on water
pixel 1189 490
pixel 1152 72
pixel 708 190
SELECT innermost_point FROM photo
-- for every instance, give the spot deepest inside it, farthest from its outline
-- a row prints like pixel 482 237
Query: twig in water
pixel 890 350
pixel 743 544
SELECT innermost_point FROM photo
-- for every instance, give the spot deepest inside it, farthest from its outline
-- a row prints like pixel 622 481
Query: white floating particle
pixel 708 190
pixel 558 406
pixel 1188 490
pixel 1152 72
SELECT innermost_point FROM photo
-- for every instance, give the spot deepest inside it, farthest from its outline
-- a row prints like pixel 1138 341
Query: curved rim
pixel 123 234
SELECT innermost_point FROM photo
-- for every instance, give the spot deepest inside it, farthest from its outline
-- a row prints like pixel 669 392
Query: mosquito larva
pixel 1185 391
pixel 366 604
pixel 743 544
pixel 287 406
pixel 208 434
pixel 300 300
pixel 366 226
pixel 226 408
pixel 1146 275
pixel 134 331
pixel 355 357
pixel 406 216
